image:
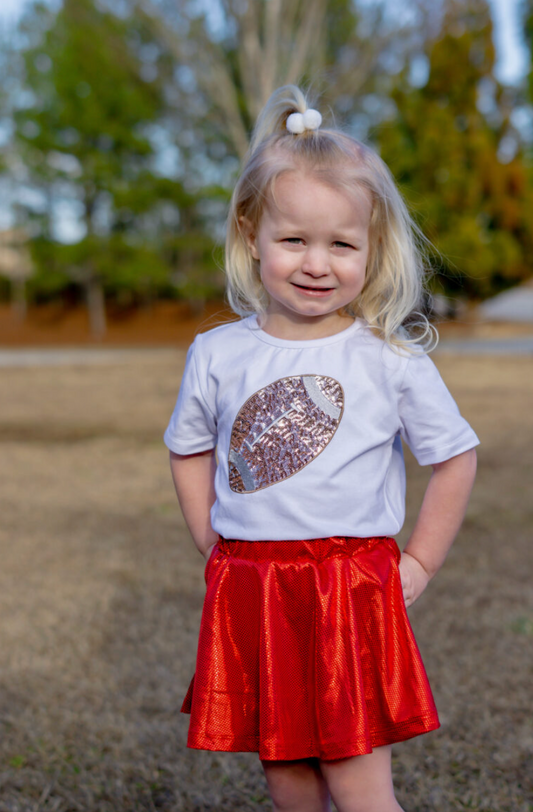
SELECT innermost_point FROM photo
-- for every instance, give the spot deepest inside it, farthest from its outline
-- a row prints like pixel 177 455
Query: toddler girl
pixel 306 654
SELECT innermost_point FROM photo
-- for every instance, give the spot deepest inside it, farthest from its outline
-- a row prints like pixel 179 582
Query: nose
pixel 316 262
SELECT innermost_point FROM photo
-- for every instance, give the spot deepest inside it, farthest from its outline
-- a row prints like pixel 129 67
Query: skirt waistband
pixel 316 549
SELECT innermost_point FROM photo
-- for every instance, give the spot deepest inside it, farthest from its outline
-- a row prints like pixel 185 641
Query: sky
pixel 512 55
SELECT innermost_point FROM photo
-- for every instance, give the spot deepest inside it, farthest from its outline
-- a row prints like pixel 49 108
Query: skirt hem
pixel 404 730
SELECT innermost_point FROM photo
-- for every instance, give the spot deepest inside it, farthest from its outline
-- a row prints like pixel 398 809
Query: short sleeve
pixel 430 421
pixel 193 426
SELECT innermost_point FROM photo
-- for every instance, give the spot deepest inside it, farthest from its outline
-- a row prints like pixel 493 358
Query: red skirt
pixel 305 650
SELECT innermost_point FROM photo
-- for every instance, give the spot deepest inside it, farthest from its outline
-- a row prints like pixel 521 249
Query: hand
pixel 414 578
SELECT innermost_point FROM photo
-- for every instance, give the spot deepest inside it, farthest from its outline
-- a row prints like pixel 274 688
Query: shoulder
pixel 421 374
pixel 217 340
pixel 393 357
pixel 401 366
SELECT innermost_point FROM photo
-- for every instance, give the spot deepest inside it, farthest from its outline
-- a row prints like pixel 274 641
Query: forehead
pixel 297 195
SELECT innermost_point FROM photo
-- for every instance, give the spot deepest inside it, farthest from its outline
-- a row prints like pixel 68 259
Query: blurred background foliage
pixel 124 124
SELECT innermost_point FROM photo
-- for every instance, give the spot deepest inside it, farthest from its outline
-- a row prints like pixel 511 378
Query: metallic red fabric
pixel 305 649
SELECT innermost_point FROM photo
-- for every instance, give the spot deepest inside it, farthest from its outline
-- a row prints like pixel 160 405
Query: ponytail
pixel 273 118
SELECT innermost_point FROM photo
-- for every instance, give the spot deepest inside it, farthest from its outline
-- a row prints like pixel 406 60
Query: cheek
pixel 275 264
pixel 363 262
pixel 356 269
pixel 270 277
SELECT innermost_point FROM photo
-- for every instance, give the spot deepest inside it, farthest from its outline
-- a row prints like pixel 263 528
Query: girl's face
pixel 312 246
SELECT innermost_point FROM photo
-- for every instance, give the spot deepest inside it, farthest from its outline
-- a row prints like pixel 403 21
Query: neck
pixel 280 326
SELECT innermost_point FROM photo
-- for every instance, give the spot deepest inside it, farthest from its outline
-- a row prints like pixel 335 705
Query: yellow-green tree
pixel 460 162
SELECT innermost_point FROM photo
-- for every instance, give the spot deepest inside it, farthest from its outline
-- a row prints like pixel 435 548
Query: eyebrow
pixel 342 235
pixel 282 222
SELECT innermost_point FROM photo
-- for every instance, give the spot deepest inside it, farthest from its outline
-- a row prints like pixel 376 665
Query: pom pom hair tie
pixel 299 122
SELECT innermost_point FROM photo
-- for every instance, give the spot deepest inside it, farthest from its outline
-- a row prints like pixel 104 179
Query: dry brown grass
pixel 101 594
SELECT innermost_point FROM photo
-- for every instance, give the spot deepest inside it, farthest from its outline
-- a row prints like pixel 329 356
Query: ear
pixel 248 232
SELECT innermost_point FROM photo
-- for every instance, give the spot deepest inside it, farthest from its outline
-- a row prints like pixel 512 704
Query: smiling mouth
pixel 309 287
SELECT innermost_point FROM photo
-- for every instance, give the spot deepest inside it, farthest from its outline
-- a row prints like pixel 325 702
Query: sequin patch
pixel 281 429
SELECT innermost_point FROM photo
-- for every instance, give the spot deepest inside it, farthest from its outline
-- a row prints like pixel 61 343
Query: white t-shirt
pixel 308 432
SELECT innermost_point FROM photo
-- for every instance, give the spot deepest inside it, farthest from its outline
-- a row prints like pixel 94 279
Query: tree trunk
pixel 92 281
pixel 96 307
pixel 19 304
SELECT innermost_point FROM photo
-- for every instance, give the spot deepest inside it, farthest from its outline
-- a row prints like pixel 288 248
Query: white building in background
pixel 511 305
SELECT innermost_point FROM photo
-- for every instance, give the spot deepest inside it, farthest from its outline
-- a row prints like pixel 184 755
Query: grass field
pixel 101 593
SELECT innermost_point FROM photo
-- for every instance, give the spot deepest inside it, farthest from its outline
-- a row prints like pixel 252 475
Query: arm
pixel 438 523
pixel 194 480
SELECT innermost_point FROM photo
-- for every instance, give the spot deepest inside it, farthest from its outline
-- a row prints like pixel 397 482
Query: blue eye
pixel 342 244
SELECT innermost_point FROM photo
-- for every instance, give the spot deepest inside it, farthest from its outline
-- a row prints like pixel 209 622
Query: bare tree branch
pixel 272 38
pixel 306 44
pixel 262 44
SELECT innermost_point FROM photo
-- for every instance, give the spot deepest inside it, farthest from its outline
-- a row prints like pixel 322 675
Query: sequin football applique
pixel 281 429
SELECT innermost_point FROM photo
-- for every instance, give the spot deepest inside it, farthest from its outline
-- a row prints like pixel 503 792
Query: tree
pixel 231 55
pixel 85 133
pixel 460 161
pixel 16 266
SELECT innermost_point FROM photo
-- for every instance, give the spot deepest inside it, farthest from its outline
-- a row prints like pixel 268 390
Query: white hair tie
pixel 299 122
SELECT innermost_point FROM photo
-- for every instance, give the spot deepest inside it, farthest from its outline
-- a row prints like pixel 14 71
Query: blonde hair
pixel 394 282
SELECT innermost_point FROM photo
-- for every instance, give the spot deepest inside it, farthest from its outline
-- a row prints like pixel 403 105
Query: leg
pixel 362 783
pixel 296 786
